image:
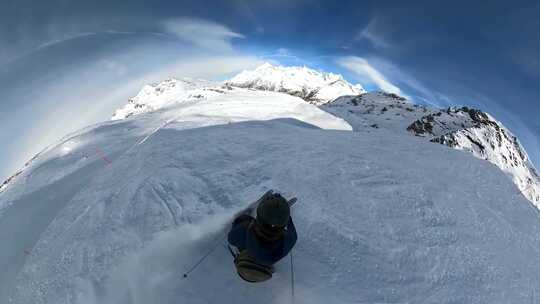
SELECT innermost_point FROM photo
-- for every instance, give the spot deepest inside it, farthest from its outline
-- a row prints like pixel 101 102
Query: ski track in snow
pixel 376 225
pixel 381 218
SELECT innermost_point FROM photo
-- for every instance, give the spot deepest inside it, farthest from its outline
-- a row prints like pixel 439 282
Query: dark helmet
pixel 274 211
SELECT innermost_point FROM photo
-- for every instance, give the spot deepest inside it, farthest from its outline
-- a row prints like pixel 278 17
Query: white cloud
pixel 63 39
pixel 374 69
pixel 423 93
pixel 202 33
pixel 367 73
pixel 66 38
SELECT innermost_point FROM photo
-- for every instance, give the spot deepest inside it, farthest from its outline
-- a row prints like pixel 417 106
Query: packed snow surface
pixel 460 128
pixel 116 213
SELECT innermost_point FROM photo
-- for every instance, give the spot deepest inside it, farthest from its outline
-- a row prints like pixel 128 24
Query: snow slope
pixel 116 213
pixel 464 129
pixel 480 134
pixel 376 110
pixel 313 86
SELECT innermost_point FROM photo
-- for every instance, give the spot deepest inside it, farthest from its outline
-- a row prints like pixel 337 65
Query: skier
pixel 264 240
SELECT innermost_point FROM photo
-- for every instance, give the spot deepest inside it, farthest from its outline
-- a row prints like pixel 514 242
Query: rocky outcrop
pixel 480 134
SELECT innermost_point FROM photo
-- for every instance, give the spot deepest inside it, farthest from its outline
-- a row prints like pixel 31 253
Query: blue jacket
pixel 243 237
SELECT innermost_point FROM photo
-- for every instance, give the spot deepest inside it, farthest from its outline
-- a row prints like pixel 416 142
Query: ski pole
pixel 292 279
pixel 199 262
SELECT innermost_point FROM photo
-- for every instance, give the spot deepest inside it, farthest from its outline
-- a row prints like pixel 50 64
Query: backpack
pixel 251 271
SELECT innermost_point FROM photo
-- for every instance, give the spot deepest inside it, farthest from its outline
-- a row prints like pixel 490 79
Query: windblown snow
pixel 117 212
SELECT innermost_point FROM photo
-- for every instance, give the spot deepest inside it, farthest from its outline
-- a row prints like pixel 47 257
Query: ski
pixel 292 201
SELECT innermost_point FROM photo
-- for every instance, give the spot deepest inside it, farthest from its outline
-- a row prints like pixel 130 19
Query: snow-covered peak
pixel 311 85
pixel 171 91
pixel 463 128
pixel 482 135
pixel 264 66
pixel 376 110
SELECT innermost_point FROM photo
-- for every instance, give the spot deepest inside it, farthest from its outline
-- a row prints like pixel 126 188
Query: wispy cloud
pixel 390 78
pixel 382 33
pixel 285 56
pixel 367 73
pixel 63 39
pixel 116 82
pixel 371 34
pixel 107 81
pixel 202 33
pixel 67 38
pixel 414 86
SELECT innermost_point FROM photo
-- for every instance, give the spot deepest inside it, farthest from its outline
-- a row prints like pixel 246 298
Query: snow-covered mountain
pixel 464 129
pixel 117 212
pixel 313 86
pixel 376 110
pixel 169 92
pixel 310 85
pixel 480 134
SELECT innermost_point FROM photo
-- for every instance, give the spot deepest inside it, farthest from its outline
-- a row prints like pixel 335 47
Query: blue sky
pixel 67 64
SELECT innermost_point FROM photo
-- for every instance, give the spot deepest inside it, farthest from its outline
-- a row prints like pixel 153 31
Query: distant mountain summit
pixel 313 86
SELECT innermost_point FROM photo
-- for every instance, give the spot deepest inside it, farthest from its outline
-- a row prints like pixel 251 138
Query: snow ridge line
pixel 153 132
pixel 142 141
